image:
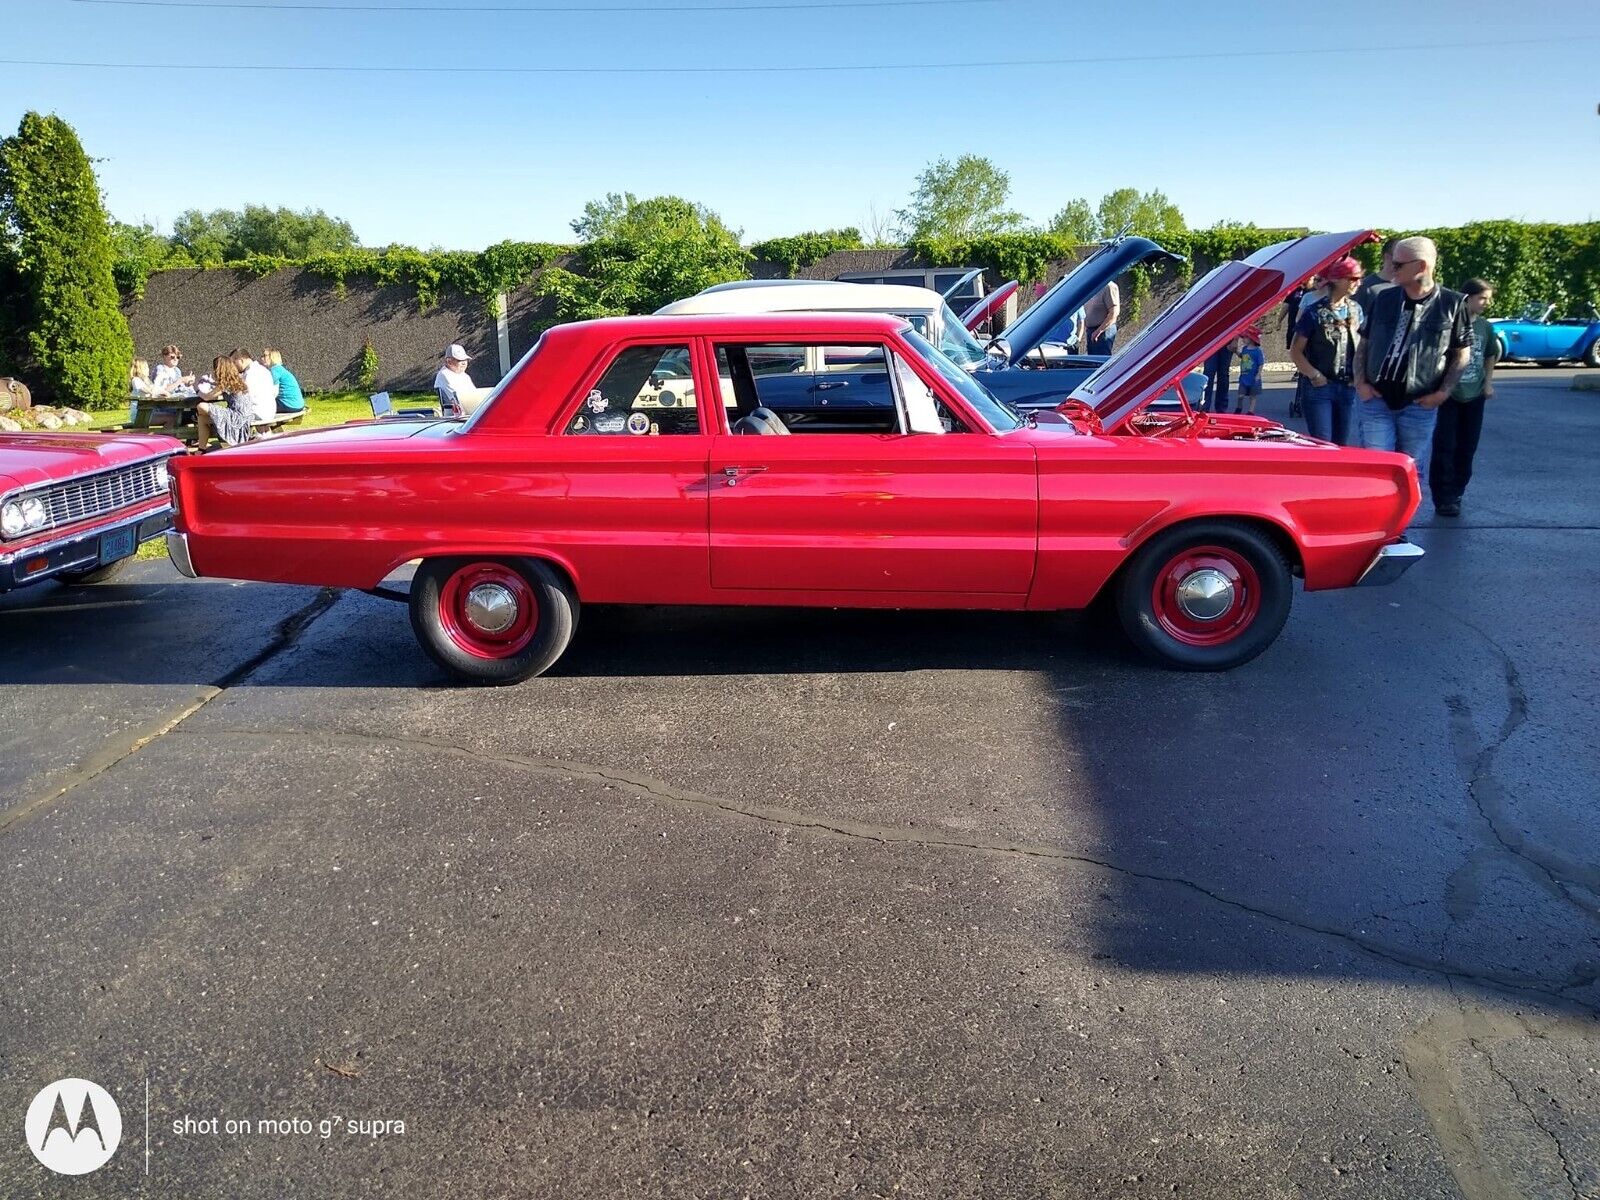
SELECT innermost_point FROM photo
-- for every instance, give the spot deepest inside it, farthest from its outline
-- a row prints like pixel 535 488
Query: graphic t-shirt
pixel 1329 328
pixel 1484 351
pixel 1251 360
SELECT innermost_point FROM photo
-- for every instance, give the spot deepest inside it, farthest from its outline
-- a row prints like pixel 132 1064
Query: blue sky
pixel 1380 134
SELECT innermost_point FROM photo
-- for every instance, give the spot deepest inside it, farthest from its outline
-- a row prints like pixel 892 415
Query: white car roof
pixel 808 296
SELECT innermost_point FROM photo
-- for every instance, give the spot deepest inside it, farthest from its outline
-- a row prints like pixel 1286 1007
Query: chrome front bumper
pixel 178 552
pixel 76 551
pixel 1387 565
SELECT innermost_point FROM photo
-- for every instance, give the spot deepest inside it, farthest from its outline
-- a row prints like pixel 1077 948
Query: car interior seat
pixel 760 420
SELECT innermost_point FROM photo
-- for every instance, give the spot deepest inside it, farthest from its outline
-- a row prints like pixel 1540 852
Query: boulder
pixel 50 421
pixel 7 425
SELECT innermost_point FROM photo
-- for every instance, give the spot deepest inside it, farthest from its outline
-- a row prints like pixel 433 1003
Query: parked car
pixel 75 506
pixel 1539 336
pixel 571 485
pixel 1021 366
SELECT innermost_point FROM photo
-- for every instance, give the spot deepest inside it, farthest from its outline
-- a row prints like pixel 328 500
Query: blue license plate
pixel 116 545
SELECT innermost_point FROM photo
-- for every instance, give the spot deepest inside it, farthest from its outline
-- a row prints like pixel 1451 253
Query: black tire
pixel 94 574
pixel 1591 357
pixel 536 592
pixel 1167 623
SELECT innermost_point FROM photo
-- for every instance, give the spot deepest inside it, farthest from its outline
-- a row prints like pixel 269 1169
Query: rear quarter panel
pixel 1102 498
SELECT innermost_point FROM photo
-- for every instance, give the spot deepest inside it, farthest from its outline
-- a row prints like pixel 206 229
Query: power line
pixel 965 65
pixel 782 6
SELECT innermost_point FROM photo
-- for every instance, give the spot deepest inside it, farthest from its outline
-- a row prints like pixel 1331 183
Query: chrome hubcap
pixel 490 608
pixel 1205 595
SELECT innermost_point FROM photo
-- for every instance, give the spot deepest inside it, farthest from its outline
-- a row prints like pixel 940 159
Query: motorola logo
pixel 73 1126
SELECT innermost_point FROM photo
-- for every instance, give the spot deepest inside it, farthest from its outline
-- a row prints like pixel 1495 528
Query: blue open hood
pixel 1074 290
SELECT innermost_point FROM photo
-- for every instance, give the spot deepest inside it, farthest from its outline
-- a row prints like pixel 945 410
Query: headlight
pixel 163 475
pixel 22 515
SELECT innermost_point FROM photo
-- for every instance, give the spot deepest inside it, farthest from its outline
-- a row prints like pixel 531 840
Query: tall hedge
pixel 55 240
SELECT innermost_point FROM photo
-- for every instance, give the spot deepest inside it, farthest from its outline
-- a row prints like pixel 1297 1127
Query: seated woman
pixel 290 397
pixel 227 413
pixel 139 379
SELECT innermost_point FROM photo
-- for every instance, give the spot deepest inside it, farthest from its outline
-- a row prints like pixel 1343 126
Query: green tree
pixel 55 241
pixel 1148 214
pixel 1076 222
pixel 640 254
pixel 137 250
pixel 225 235
pixel 959 200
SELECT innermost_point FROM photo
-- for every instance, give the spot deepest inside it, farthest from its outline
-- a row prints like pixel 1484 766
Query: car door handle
pixel 732 474
pixel 823 387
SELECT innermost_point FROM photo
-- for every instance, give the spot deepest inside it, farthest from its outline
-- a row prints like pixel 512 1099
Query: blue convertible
pixel 1535 337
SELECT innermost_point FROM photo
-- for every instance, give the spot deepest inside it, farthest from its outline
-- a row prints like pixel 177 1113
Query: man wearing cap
pixel 1326 338
pixel 458 395
pixel 1417 345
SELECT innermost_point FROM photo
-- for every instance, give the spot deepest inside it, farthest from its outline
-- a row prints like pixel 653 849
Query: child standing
pixel 1251 360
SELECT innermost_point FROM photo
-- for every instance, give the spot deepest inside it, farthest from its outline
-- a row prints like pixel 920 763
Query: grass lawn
pixel 322 409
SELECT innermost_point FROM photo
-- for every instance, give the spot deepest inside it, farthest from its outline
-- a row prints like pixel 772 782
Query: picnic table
pixel 175 416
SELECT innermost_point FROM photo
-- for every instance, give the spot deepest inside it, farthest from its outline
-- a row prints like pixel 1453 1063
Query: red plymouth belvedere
pixel 75 506
pixel 818 459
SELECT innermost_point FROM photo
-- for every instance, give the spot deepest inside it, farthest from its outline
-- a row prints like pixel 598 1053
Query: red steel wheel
pixel 488 610
pixel 1205 595
pixel 490 620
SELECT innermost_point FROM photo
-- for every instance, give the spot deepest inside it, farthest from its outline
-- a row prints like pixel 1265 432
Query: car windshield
pixel 956 341
pixel 985 403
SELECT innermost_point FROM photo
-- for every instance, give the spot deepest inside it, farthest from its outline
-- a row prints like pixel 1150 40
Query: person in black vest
pixel 1418 344
pixel 1324 352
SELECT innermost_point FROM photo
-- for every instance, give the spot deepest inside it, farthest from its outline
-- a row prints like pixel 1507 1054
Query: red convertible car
pixel 75 506
pixel 651 460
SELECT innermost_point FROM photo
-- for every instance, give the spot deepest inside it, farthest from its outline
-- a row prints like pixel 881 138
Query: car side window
pixel 811 387
pixel 646 390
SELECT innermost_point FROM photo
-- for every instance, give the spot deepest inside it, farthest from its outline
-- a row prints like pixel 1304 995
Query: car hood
pixel 1207 315
pixel 1072 292
pixel 32 459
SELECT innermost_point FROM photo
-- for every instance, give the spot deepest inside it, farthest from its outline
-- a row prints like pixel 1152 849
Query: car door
pixel 874 509
pixel 635 446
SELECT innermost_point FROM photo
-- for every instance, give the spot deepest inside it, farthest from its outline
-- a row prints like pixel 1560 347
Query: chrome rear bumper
pixel 1387 565
pixel 178 552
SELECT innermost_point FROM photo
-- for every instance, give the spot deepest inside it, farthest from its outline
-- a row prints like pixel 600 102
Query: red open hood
pixel 1207 315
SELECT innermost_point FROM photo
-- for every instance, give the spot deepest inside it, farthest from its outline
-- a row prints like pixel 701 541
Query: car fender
pixel 545 554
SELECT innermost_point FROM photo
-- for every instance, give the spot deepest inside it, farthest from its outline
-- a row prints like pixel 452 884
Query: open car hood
pixel 1072 292
pixel 1224 300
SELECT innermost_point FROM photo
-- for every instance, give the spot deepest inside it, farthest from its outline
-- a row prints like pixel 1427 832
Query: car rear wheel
pixel 489 620
pixel 94 574
pixel 1591 357
pixel 1206 596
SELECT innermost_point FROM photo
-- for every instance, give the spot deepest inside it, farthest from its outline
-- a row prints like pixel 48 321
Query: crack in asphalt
pixel 883 834
pixel 1516 1093
pixel 284 636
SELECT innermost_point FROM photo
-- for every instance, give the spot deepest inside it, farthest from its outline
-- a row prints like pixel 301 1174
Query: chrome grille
pixel 99 495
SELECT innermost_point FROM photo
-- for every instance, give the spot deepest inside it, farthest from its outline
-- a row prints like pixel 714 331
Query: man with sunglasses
pixel 169 377
pixel 1418 343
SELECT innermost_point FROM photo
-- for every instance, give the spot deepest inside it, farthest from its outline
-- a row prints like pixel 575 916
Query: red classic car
pixel 643 460
pixel 75 506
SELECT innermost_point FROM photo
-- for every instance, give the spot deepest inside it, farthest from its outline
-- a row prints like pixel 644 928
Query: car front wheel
pixel 1206 596
pixel 490 620
pixel 1592 357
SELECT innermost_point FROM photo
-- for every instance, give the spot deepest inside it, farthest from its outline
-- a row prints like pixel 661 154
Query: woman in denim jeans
pixel 1324 351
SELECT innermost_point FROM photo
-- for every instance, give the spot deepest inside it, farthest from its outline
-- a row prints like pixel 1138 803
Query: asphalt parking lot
pixel 757 903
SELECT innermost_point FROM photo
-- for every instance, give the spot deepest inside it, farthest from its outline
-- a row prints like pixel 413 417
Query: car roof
pixel 755 324
pixel 808 296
